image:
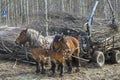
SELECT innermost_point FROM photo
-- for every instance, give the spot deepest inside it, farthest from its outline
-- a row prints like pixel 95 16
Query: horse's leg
pixel 59 66
pixel 77 65
pixel 36 59
pixel 61 69
pixel 78 62
pixel 53 68
pixel 42 66
pixel 37 67
pixel 69 64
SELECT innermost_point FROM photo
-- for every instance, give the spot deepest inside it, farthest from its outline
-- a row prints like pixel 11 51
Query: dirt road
pixel 20 71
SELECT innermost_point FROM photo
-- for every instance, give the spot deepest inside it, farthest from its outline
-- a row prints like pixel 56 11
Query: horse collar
pixel 35 41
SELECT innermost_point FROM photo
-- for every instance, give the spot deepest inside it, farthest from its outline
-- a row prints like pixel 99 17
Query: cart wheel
pixel 115 56
pixel 99 58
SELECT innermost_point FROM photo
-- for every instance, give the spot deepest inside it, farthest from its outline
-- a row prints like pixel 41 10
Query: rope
pixel 81 58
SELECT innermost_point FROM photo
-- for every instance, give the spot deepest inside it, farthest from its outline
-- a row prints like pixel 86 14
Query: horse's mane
pixel 32 32
pixel 57 37
pixel 60 37
pixel 34 36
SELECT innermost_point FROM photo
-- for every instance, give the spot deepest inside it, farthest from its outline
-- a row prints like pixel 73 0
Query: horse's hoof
pixel 50 69
pixel 51 75
pixel 77 70
pixel 42 72
pixel 37 71
pixel 61 75
pixel 69 72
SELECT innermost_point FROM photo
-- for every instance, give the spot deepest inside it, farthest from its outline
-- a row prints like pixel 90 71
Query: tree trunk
pixel 46 16
pixel 63 7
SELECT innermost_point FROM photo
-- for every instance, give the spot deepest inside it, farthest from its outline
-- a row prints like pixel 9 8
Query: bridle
pixel 57 49
pixel 61 48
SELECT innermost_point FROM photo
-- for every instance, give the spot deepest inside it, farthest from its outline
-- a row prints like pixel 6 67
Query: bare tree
pixel 46 16
pixel 25 11
pixel 63 7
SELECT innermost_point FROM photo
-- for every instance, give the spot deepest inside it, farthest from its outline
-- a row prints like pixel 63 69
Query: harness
pixel 66 51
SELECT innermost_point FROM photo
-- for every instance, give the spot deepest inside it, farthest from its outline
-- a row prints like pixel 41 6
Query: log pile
pixel 105 36
pixel 8 48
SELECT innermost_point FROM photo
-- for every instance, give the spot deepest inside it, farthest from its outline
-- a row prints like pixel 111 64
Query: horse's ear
pixel 26 29
pixel 63 38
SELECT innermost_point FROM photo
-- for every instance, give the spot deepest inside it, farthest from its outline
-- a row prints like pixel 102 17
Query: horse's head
pixel 59 43
pixel 22 38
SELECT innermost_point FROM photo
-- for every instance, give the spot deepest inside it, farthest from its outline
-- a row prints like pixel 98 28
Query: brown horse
pixel 41 54
pixel 37 43
pixel 65 47
pixel 32 36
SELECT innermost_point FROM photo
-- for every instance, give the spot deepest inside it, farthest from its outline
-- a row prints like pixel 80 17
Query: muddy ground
pixel 23 71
